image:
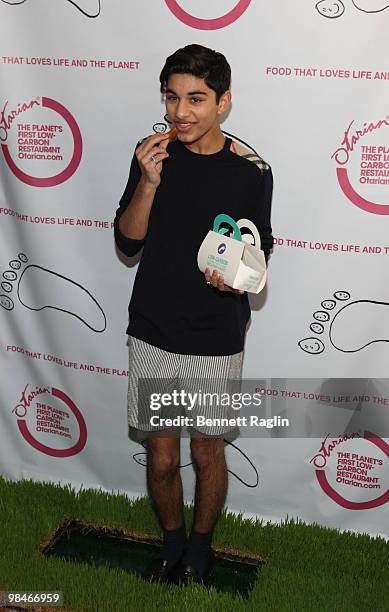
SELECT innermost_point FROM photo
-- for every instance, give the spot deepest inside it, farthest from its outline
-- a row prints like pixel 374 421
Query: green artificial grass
pixel 307 567
pixel 81 542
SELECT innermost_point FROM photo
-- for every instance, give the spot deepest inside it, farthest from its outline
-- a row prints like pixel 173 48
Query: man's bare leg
pixel 165 489
pixel 210 494
pixel 211 481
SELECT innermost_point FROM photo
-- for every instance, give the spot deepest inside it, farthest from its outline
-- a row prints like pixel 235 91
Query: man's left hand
pixel 217 281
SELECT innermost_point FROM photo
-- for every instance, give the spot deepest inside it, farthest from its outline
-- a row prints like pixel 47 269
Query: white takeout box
pixel 242 265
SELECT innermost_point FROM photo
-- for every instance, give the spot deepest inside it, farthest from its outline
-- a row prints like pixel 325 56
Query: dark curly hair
pixel 201 62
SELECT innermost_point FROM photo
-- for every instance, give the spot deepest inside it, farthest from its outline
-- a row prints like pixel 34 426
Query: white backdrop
pixel 78 87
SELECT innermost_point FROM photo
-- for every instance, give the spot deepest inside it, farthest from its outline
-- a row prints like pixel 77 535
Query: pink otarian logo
pixel 24 403
pixel 7 117
pixel 320 460
pixel 208 24
pixel 342 156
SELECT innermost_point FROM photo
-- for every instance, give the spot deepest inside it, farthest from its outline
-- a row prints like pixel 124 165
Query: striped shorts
pixel 202 384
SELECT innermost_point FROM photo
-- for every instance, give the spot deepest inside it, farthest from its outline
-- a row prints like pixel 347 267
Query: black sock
pixel 199 548
pixel 174 542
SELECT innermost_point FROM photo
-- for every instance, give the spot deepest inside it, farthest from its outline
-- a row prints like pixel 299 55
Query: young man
pixel 185 324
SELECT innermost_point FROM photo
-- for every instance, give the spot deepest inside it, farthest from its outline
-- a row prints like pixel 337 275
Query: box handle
pixel 223 218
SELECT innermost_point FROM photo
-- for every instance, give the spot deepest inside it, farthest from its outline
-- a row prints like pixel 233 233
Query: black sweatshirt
pixel 172 307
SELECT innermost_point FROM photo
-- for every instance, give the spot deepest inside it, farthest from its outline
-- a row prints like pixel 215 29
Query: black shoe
pixel 185 573
pixel 157 570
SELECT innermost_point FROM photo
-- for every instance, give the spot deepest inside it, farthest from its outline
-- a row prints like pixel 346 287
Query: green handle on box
pixel 223 218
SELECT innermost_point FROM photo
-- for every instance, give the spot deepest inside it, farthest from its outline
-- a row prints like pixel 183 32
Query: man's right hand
pixel 150 155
